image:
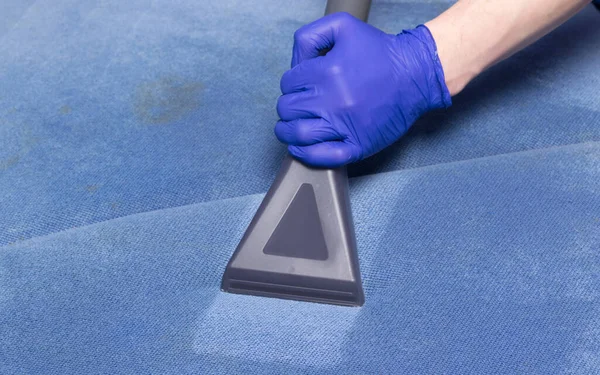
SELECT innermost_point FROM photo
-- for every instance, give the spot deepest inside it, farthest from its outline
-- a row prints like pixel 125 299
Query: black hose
pixel 357 8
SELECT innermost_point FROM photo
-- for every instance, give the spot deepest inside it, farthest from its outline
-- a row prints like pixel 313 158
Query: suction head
pixel 301 243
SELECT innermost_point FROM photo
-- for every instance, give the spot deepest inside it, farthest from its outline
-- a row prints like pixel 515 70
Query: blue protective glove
pixel 362 95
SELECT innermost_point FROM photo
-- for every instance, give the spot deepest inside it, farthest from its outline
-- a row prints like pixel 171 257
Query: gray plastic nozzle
pixel 301 243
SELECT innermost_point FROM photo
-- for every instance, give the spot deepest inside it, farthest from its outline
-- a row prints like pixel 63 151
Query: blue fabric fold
pixel 114 108
pixel 482 266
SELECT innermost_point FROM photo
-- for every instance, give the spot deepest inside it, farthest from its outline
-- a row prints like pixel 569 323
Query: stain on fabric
pixel 65 109
pixel 7 163
pixel 26 144
pixel 166 100
pixel 91 188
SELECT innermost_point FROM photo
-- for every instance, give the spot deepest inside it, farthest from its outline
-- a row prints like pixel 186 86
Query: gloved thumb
pixel 316 38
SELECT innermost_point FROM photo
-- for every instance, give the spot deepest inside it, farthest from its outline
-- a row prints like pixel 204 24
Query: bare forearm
pixel 473 35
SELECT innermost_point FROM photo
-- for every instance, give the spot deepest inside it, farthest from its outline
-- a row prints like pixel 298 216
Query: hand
pixel 362 95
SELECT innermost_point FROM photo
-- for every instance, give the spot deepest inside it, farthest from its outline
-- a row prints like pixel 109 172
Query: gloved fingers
pixel 297 105
pixel 304 132
pixel 312 39
pixel 326 154
pixel 301 77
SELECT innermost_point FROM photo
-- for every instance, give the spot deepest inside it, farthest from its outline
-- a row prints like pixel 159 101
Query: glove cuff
pixel 440 96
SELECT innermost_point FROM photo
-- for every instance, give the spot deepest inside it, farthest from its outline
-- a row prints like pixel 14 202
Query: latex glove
pixel 362 95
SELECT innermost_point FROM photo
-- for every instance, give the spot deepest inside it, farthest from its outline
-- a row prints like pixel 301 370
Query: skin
pixel 473 35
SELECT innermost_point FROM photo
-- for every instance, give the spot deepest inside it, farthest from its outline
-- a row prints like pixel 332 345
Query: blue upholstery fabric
pixel 123 195
pixel 114 108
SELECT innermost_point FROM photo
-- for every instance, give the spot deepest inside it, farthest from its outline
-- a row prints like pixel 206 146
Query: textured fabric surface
pixel 485 266
pixel 124 191
pixel 112 108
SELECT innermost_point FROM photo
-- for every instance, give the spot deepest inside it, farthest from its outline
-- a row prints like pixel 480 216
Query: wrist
pixel 458 72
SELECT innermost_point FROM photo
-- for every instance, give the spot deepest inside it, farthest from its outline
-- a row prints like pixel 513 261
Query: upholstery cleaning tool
pixel 301 243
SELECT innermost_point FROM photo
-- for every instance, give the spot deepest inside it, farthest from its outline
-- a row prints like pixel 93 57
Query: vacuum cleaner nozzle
pixel 301 243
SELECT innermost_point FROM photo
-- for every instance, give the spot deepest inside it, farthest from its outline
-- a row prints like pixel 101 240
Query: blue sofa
pixel 136 144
